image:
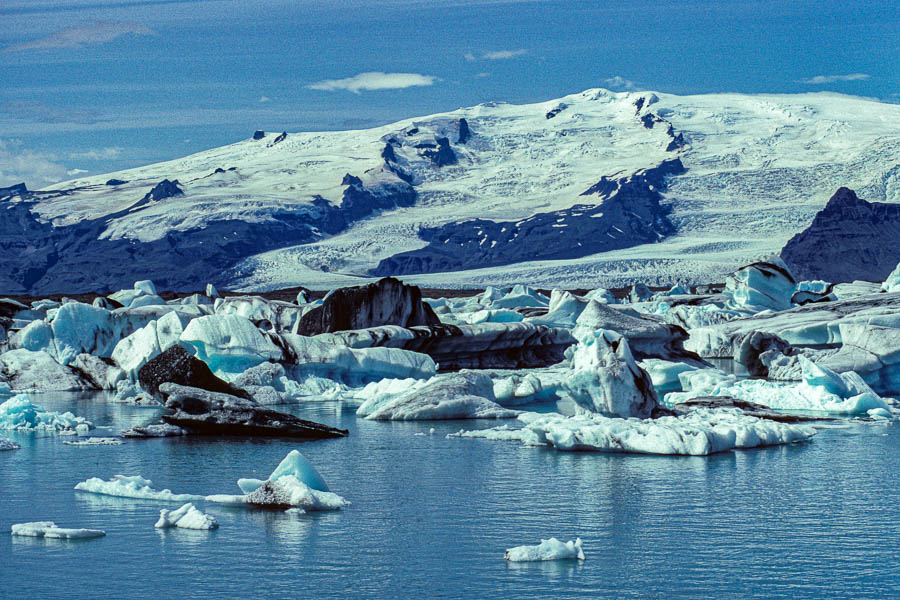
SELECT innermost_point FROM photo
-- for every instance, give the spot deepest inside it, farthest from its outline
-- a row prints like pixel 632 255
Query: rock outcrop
pixel 849 239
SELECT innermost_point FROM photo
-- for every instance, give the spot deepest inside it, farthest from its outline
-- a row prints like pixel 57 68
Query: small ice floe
pixel 95 441
pixel 551 549
pixel 186 517
pixel 880 414
pixel 19 414
pixel 135 486
pixel 153 431
pixel 6 444
pixel 295 512
pixel 48 529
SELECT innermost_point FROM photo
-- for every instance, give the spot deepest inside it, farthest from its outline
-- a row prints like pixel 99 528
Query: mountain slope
pixel 324 208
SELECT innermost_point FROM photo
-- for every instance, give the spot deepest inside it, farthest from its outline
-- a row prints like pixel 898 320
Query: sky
pixel 93 86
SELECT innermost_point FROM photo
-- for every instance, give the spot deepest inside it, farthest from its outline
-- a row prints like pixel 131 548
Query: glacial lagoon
pixel 431 517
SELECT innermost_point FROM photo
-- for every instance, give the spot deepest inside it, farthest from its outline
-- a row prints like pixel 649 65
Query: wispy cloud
pixel 495 55
pixel 36 169
pixel 97 154
pixel 74 172
pixel 822 79
pixel 374 80
pixel 265 99
pixel 620 83
pixel 83 35
pixel 482 75
pixel 33 110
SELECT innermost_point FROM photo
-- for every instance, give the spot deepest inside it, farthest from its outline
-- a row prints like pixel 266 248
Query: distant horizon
pixel 95 87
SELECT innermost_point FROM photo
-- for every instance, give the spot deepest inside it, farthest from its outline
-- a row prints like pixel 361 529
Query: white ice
pixel 551 549
pixel 95 441
pixel 698 433
pixel 48 529
pixel 19 414
pixel 134 486
pixel 186 517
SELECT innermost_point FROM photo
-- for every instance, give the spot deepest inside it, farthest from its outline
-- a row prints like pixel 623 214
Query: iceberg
pixel 293 483
pixel 36 370
pixel 698 433
pixel 605 378
pixel 48 529
pixel 822 390
pixel 95 441
pixel 186 517
pixel 551 549
pixel 134 486
pixel 463 395
pixel 6 444
pixel 761 286
pixel 892 283
pixel 19 414
pixel 229 343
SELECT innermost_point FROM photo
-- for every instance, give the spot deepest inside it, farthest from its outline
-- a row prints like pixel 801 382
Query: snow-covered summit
pixel 327 207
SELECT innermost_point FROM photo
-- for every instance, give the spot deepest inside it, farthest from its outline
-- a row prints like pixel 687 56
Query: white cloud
pixel 620 83
pixel 374 80
pixel 821 79
pixel 36 169
pixel 265 99
pixel 470 57
pixel 482 75
pixel 97 154
pixel 83 35
pixel 503 54
pixel 74 172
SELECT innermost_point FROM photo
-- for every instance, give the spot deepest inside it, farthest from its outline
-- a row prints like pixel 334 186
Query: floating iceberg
pixel 135 486
pixel 699 433
pixel 821 390
pixel 605 378
pixel 229 342
pixel 186 517
pixel 551 549
pixel 48 529
pixel 95 441
pixel 464 395
pixel 19 414
pixel 36 370
pixel 761 286
pixel 6 444
pixel 293 483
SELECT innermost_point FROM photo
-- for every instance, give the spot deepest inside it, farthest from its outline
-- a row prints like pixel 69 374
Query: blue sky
pixel 98 85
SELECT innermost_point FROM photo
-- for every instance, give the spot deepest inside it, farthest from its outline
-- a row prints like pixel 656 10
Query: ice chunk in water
pixel 551 549
pixel 48 529
pixel 186 517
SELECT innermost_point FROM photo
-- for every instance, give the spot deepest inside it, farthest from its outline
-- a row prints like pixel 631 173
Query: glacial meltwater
pixel 431 517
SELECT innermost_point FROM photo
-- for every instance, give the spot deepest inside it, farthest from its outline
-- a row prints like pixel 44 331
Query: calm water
pixel 431 517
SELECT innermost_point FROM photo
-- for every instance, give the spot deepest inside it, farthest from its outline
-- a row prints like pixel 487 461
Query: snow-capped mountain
pixel 596 188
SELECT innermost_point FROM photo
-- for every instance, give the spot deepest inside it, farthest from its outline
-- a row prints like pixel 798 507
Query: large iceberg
pixel 19 414
pixel 186 517
pixel 605 378
pixel 822 390
pixel 48 529
pixel 464 395
pixel 229 342
pixel 551 549
pixel 29 370
pixel 698 433
pixel 761 286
